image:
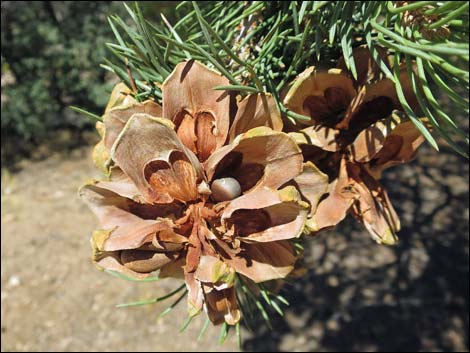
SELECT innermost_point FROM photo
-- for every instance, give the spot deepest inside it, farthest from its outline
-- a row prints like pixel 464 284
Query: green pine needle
pixel 129 278
pixel 204 328
pixel 186 323
pixel 86 113
pixel 172 306
pixel 153 300
pixel 239 336
pixel 223 333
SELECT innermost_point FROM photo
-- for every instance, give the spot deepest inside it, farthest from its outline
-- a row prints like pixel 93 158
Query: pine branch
pixel 263 45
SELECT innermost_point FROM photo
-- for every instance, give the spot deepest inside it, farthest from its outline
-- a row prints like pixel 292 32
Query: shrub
pixel 50 55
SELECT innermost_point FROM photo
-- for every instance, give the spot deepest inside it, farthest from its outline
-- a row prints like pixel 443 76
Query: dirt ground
pixel 357 295
pixel 53 298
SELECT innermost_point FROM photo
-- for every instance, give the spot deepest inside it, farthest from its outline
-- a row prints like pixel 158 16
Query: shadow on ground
pixel 359 296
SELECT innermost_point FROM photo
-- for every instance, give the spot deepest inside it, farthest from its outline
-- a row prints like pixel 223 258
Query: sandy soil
pixel 357 295
pixel 53 298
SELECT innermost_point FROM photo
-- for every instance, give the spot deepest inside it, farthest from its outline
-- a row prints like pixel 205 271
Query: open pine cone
pixel 197 189
pixel 355 132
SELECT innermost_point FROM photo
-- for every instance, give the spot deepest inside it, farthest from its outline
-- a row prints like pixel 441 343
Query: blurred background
pixel 357 296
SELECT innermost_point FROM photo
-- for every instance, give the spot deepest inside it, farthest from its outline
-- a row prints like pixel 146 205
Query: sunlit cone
pixel 194 190
pixel 355 133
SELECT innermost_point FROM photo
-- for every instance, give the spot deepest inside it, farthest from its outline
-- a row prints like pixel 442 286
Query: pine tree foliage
pixel 50 55
pixel 262 45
